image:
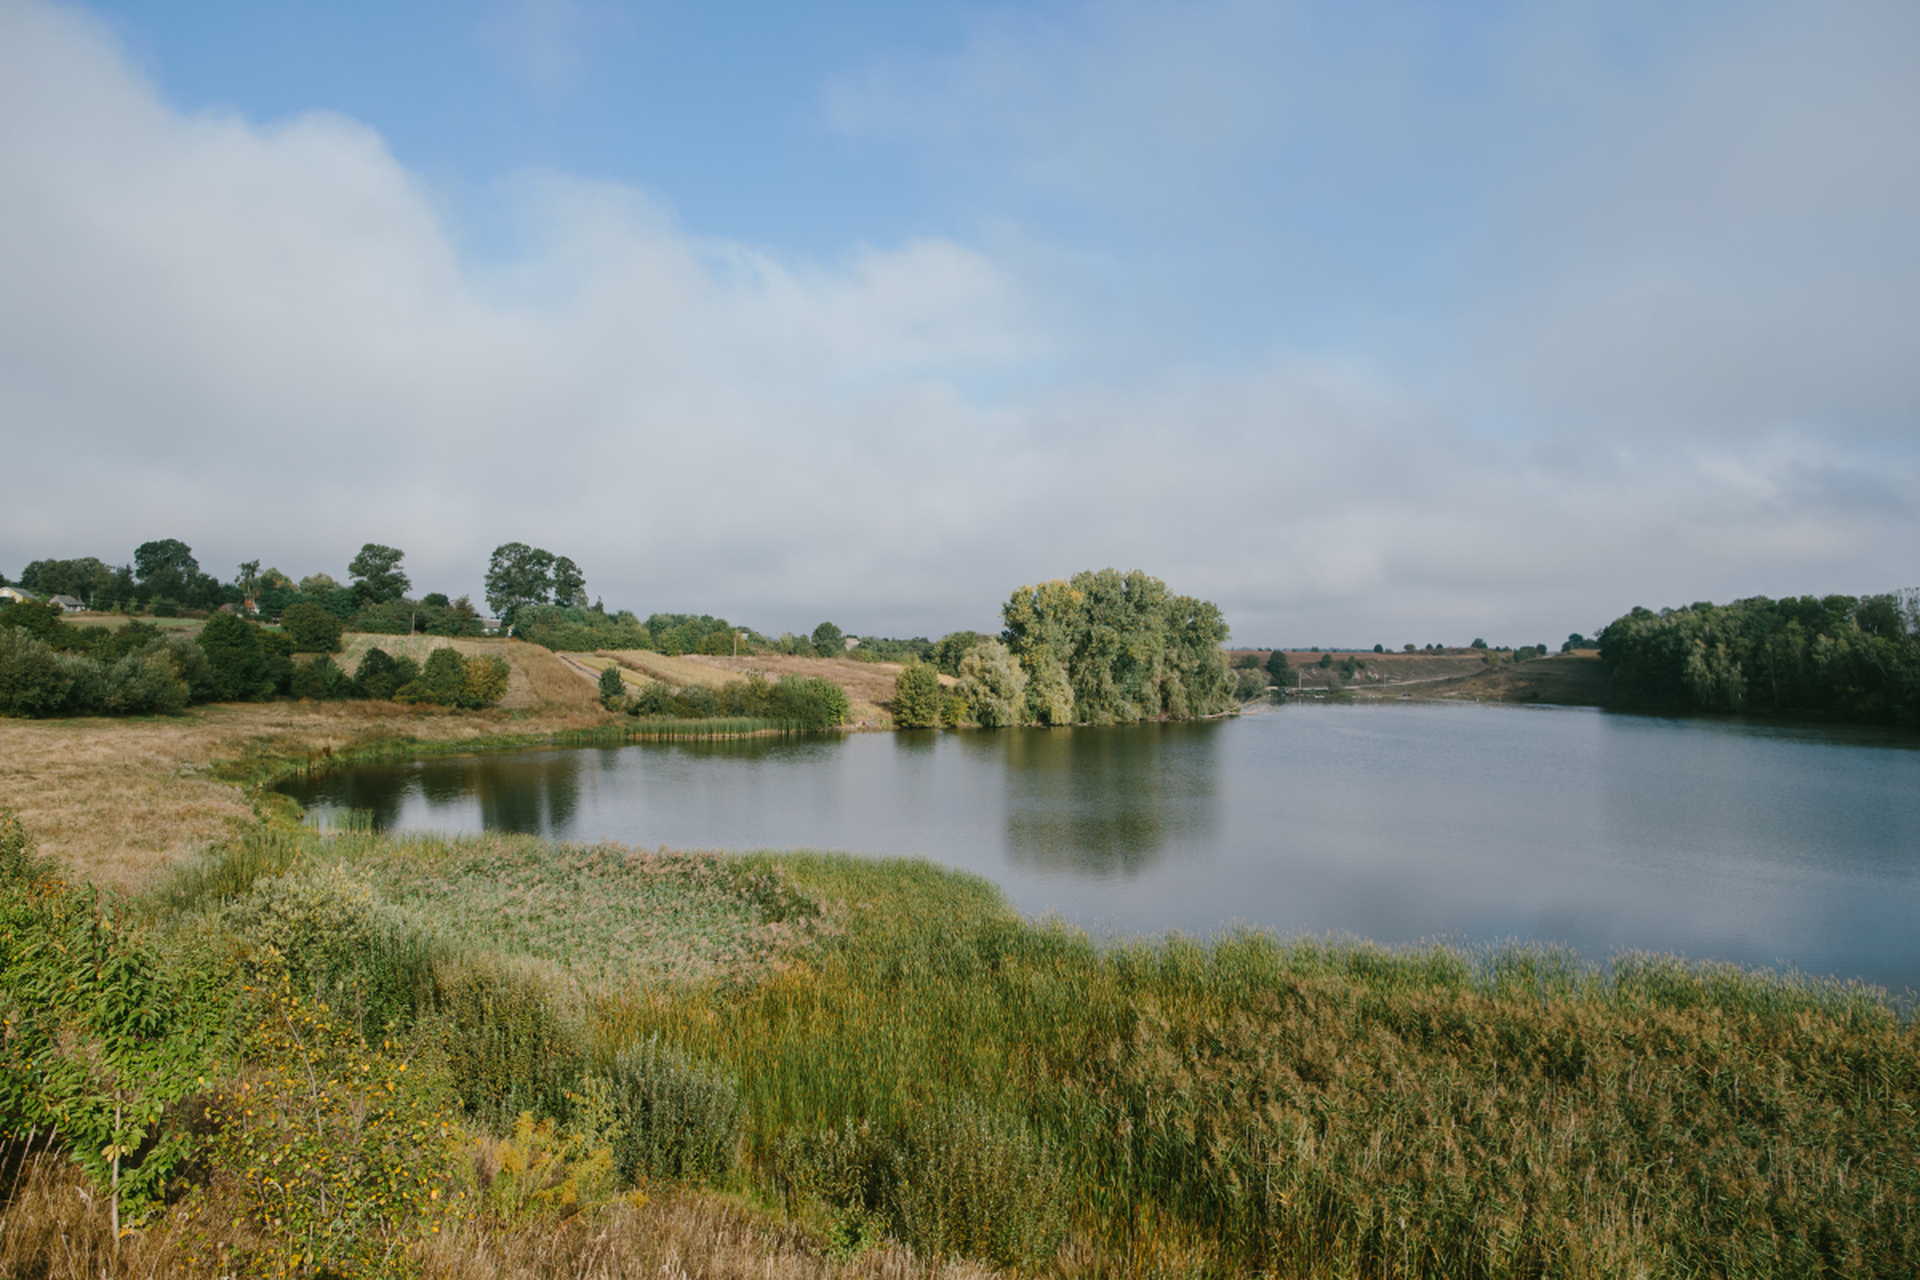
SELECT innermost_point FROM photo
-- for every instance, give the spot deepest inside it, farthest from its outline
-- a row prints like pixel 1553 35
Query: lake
pixel 1713 838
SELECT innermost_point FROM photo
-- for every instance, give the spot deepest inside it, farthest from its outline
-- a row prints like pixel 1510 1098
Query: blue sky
pixel 1372 322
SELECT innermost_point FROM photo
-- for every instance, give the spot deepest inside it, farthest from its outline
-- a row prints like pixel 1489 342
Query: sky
pixel 1371 322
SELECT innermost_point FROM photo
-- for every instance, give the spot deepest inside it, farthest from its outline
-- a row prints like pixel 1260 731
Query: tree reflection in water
pixel 1107 802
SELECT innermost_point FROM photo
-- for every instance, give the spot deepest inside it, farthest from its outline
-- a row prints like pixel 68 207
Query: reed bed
pixel 883 1052
pixel 673 730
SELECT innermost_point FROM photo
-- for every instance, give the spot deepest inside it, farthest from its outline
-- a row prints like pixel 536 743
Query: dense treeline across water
pixel 1839 657
pixel 401 1039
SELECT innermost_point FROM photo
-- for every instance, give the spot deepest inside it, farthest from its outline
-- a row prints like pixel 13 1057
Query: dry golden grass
pixel 52 1226
pixel 115 800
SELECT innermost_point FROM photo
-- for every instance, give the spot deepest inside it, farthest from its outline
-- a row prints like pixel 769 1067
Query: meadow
pixel 496 1055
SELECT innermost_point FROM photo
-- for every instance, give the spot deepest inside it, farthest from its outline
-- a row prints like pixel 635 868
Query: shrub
pixel 381 675
pixel 100 1039
pixel 1281 671
pixel 143 685
pixel 239 665
pixel 320 680
pixel 506 1049
pixel 487 678
pixel 677 1118
pixel 916 697
pixel 1249 683
pixel 613 689
pixel 36 680
pixel 808 703
pixel 313 629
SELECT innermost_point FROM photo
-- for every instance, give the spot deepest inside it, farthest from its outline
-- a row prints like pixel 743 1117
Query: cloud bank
pixel 1654 349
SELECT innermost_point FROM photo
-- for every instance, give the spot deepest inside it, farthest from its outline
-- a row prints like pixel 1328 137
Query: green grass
pixel 1298 1107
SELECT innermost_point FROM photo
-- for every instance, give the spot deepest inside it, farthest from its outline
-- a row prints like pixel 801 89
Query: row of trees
pixel 805 703
pixel 1833 656
pixel 49 667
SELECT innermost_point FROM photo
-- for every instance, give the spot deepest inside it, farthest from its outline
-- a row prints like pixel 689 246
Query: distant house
pixel 16 595
pixel 490 625
pixel 68 603
pixel 850 643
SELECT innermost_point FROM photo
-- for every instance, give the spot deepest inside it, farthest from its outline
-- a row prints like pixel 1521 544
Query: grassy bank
pixel 882 1052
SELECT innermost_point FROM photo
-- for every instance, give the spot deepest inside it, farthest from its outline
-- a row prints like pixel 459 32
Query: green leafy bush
pixel 100 1039
pixel 613 689
pixel 677 1118
pixel 916 697
pixel 313 629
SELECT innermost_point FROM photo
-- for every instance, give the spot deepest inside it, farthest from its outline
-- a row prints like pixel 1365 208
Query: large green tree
pixel 1123 646
pixel 240 668
pixel 994 685
pixel 377 577
pixel 165 569
pixel 520 577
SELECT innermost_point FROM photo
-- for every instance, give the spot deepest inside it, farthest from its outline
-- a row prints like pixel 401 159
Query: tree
pixel 569 584
pixel 85 578
pixel 166 569
pixel 1281 670
pixel 916 697
pixel 828 640
pixel 313 629
pixel 613 689
pixel 953 647
pixel 239 664
pixel 376 574
pixel 248 579
pixel 1129 649
pixel 994 685
pixel 520 576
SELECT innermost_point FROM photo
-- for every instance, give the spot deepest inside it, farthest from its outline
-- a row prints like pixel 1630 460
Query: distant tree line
pixel 1835 656
pixel 49 667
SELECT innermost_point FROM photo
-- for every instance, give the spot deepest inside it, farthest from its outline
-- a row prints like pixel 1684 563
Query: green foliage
pixel 100 1038
pixel 377 575
pixel 994 685
pixel 613 689
pixel 505 1047
pixel 980 1183
pixel 1478 643
pixel 955 1179
pixel 1326 661
pixel 677 633
pixel 520 577
pixel 313 629
pixel 828 641
pixel 239 664
pixel 677 1118
pixel 1841 657
pixel 1129 650
pixel 1049 694
pixel 1281 672
pixel 380 675
pixel 916 697
pixel 85 579
pixel 343 1148
pixel 888 649
pixel 952 647
pixel 577 630
pixel 450 680
pixel 1249 683
pixel 41 619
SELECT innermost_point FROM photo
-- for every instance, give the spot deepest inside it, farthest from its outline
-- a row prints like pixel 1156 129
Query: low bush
pixel 677 1118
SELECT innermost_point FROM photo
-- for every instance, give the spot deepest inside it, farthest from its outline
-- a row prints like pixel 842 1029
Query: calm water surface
pixel 1765 845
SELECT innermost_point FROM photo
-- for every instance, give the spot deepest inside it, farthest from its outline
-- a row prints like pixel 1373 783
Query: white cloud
pixel 260 338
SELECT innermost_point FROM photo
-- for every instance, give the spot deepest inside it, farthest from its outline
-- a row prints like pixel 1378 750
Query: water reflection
pixel 1106 802
pixel 1761 845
